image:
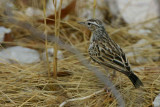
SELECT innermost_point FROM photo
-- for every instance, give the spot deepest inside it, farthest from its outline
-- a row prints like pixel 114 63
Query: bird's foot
pixel 113 75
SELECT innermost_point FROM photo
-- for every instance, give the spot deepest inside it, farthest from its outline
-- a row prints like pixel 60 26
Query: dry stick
pixel 7 97
pixel 58 30
pixel 38 34
pixel 55 45
pixel 28 100
pixel 59 15
pixel 94 8
pixel 81 98
pixel 45 32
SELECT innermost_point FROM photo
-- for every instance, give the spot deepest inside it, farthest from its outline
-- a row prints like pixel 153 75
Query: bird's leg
pixel 106 89
pixel 113 74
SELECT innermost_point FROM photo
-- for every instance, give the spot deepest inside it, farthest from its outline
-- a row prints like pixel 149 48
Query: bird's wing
pixel 109 54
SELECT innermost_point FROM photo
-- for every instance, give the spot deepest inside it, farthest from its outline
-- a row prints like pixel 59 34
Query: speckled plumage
pixel 106 52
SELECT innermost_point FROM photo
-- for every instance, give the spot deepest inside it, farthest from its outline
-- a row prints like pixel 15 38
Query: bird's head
pixel 92 24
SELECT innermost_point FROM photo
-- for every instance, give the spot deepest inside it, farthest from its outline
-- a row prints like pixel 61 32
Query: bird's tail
pixel 135 80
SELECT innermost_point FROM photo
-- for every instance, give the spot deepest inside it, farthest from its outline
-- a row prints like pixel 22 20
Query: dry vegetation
pixel 31 85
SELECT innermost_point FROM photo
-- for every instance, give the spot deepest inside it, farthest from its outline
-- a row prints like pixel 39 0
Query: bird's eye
pixel 89 23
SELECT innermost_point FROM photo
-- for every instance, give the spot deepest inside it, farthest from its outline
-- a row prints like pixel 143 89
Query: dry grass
pixel 30 85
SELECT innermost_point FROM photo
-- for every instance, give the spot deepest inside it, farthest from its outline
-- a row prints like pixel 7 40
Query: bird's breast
pixel 93 49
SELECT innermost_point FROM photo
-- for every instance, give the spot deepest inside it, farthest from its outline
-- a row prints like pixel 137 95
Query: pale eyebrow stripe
pixel 95 23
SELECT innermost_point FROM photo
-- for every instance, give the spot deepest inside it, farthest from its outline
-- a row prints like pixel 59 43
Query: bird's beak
pixel 82 23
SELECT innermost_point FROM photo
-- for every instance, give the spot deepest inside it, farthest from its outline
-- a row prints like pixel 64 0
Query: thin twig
pixel 8 98
pixel 81 98
pixel 94 8
pixel 55 44
pixel 28 100
pixel 45 32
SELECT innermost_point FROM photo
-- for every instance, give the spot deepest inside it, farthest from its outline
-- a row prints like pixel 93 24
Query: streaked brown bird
pixel 106 52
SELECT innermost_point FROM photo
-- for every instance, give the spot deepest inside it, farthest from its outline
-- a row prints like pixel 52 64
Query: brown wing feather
pixel 109 54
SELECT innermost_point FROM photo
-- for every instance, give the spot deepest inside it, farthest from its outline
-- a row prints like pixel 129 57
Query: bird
pixel 106 52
